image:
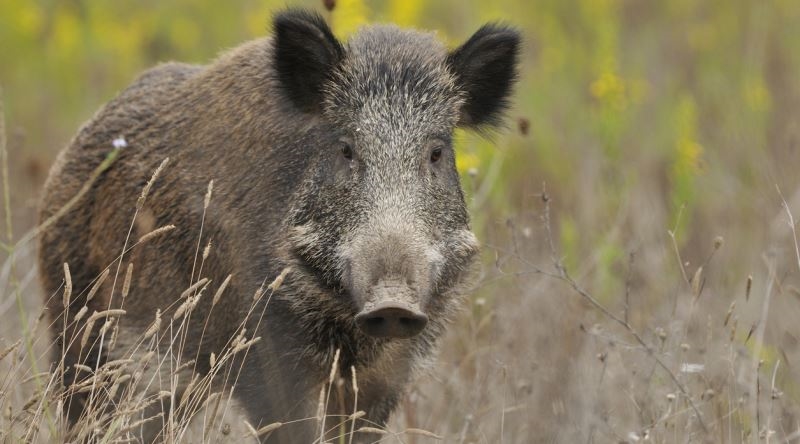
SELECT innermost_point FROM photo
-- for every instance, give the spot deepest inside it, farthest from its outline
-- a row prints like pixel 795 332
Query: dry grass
pixel 535 355
pixel 685 353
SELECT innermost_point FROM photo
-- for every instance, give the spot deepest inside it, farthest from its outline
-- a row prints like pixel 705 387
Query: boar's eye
pixel 436 154
pixel 347 150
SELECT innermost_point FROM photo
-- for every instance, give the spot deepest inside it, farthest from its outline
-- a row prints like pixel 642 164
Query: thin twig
pixel 628 278
pixel 791 225
pixel 672 235
pixel 564 276
pixel 772 395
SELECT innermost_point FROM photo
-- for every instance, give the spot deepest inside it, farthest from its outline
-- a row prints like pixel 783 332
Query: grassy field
pixel 641 272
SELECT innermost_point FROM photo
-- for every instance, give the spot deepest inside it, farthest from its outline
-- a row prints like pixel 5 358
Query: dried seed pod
pixel 97 285
pixel 114 312
pixel 67 286
pixel 728 314
pixel 126 284
pixel 220 290
pixel 155 326
pixel 421 432
pixel 748 288
pixel 192 288
pixel 207 199
pixel 372 430
pixel 155 233
pixel 268 428
pixel 149 185
pixel 276 284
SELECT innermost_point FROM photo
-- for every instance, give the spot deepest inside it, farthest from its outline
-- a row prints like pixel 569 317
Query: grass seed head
pixel 192 288
pixel 276 284
pixel 155 233
pixel 421 432
pixel 268 428
pixel 207 250
pixel 372 430
pixel 181 310
pixel 220 290
pixel 114 312
pixel 334 366
pixel 734 324
pixel 207 199
pixel 106 326
pixel 146 357
pixel 155 326
pixel 356 415
pixel 728 314
pixel 9 349
pixel 88 330
pixel 126 284
pixel 67 286
pixel 146 190
pixel 84 368
pixel 114 333
pixel 96 287
pixel 748 287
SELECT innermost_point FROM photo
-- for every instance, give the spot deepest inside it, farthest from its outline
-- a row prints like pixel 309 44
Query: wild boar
pixel 332 166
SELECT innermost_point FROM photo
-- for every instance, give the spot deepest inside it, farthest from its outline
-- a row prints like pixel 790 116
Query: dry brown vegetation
pixel 687 356
pixel 684 354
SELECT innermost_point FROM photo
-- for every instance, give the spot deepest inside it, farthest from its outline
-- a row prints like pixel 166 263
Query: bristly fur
pixel 322 159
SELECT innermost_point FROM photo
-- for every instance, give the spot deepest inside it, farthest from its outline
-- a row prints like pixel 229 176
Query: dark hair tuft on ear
pixel 486 70
pixel 306 52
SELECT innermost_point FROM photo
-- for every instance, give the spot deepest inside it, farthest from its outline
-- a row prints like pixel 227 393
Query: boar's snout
pixel 392 312
pixel 392 320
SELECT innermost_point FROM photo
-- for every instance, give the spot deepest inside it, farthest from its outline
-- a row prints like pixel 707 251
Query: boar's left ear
pixel 305 54
pixel 486 69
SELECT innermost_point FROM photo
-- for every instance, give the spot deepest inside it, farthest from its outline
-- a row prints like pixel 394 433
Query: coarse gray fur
pixel 332 160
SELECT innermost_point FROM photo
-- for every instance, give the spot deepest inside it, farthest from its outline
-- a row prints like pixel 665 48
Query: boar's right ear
pixel 486 70
pixel 305 54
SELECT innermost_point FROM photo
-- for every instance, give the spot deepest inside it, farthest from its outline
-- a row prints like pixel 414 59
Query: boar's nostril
pixel 413 323
pixel 392 320
pixel 375 322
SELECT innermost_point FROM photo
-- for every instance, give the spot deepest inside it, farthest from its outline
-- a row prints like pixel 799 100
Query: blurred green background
pixel 695 100
pixel 638 117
